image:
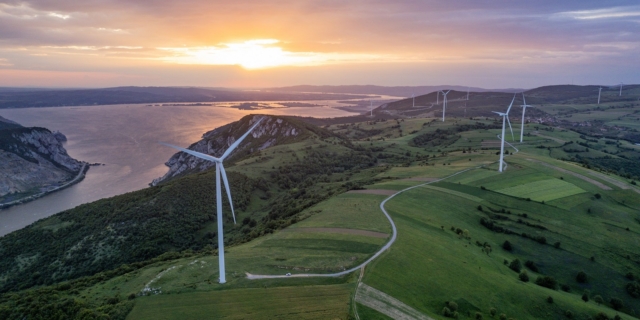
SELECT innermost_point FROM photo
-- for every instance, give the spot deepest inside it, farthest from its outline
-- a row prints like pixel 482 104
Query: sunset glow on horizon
pixel 251 44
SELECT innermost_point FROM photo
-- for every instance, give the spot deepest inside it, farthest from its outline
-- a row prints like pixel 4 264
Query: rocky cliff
pixel 273 130
pixel 32 161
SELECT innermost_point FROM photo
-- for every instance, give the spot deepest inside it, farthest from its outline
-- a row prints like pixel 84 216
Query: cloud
pixel 5 63
pixel 598 14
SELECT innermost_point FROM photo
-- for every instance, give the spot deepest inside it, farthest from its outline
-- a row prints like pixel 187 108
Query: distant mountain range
pixel 401 91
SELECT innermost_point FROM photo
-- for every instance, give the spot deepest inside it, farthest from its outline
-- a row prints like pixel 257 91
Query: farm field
pixel 543 190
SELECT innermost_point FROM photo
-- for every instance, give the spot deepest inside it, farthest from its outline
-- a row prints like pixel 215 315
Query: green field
pixel 316 302
pixel 544 190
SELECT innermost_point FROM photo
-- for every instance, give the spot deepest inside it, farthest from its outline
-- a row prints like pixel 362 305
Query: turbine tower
pixel 438 98
pixel 444 103
pixel 219 171
pixel 371 107
pixel 599 91
pixel 505 117
pixel 524 109
pixel 620 90
pixel 413 96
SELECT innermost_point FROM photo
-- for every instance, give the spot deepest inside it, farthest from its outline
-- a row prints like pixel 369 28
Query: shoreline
pixel 81 174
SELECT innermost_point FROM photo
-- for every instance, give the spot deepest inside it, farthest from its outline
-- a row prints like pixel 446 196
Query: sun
pixel 252 54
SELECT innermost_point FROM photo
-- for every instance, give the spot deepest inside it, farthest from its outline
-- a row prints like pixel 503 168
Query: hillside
pixel 33 162
pixel 552 237
pixel 398 91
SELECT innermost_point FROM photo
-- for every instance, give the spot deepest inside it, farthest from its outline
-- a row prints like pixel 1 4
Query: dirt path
pixel 613 181
pixel 420 179
pixel 341 231
pixel 577 175
pixel 386 304
pixel 547 137
pixel 382 192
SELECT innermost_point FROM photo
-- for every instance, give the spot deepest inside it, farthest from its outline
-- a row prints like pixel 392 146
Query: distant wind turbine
pixel 371 106
pixel 444 103
pixel 599 91
pixel 620 89
pixel 505 117
pixel 219 171
pixel 438 98
pixel 524 109
pixel 413 96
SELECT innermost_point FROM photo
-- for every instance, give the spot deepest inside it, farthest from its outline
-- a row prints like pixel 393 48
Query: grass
pixel 317 302
pixel 543 190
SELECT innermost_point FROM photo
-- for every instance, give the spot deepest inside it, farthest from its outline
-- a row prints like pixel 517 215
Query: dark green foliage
pixel 478 316
pixel 633 289
pixel 550 299
pixel 515 265
pixel 565 288
pixel 597 196
pixel 531 265
pixel 503 316
pixel 507 246
pixel 630 276
pixel 568 314
pixel 547 282
pixel 493 311
pixel 557 245
pixel 581 277
pixel 585 296
pixel 601 316
pixel 616 303
pixel 524 277
pixel 598 299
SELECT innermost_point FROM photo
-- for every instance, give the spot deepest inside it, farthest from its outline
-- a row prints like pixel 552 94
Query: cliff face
pixel 273 130
pixel 32 160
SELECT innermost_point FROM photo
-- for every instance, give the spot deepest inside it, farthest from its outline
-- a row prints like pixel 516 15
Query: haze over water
pixel 125 139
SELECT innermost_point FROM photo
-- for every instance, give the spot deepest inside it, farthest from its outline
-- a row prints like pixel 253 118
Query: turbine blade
pixel 193 153
pixel 226 186
pixel 498 113
pixel 512 100
pixel 237 142
pixel 512 136
pixel 523 101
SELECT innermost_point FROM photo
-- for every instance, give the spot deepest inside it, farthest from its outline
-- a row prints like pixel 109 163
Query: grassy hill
pixel 463 243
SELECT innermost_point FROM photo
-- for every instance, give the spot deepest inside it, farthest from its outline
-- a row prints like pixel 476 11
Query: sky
pixel 251 43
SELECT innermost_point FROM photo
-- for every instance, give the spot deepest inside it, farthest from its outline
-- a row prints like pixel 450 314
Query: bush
pixel 507 246
pixel 630 276
pixel 581 277
pixel 493 311
pixel 550 299
pixel 598 299
pixel 446 312
pixel 478 316
pixel 616 303
pixel 547 282
pixel 633 289
pixel 452 305
pixel 585 296
pixel 597 195
pixel 524 277
pixel 503 316
pixel 515 265
pixel 601 316
pixel 531 265
pixel 568 314
pixel 557 245
pixel 565 288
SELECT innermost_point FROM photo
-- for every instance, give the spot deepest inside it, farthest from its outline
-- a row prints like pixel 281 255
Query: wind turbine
pixel 413 96
pixel 599 91
pixel 219 171
pixel 524 109
pixel 444 103
pixel 438 98
pixel 371 106
pixel 504 116
pixel 620 90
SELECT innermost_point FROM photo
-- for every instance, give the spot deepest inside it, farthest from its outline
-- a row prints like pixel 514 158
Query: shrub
pixel 547 282
pixel 550 299
pixel 581 277
pixel 515 265
pixel 585 296
pixel 633 289
pixel 565 288
pixel 478 316
pixel 493 311
pixel 568 314
pixel 503 316
pixel 557 245
pixel 531 265
pixel 630 276
pixel 601 316
pixel 597 195
pixel 132 296
pixel 524 277
pixel 452 305
pixel 598 299
pixel 446 312
pixel 507 246
pixel 616 303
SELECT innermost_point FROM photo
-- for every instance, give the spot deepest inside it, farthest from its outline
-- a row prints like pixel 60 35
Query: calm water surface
pixel 125 139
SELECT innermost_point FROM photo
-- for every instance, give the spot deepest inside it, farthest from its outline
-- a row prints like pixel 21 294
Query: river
pixel 125 139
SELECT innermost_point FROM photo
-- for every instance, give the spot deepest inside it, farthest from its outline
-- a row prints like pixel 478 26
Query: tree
pixel 598 299
pixel 515 265
pixel 581 277
pixel 507 245
pixel 547 282
pixel 616 303
pixel 550 299
pixel 493 311
pixel 585 296
pixel 597 195
pixel 601 316
pixel 568 314
pixel 524 277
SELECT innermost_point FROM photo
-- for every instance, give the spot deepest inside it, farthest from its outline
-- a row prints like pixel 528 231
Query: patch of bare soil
pixel 386 304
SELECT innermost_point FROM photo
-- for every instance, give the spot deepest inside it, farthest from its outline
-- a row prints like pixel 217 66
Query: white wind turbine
pixel 620 90
pixel 505 117
pixel 524 108
pixel 413 96
pixel 371 106
pixel 220 171
pixel 599 91
pixel 438 98
pixel 444 103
